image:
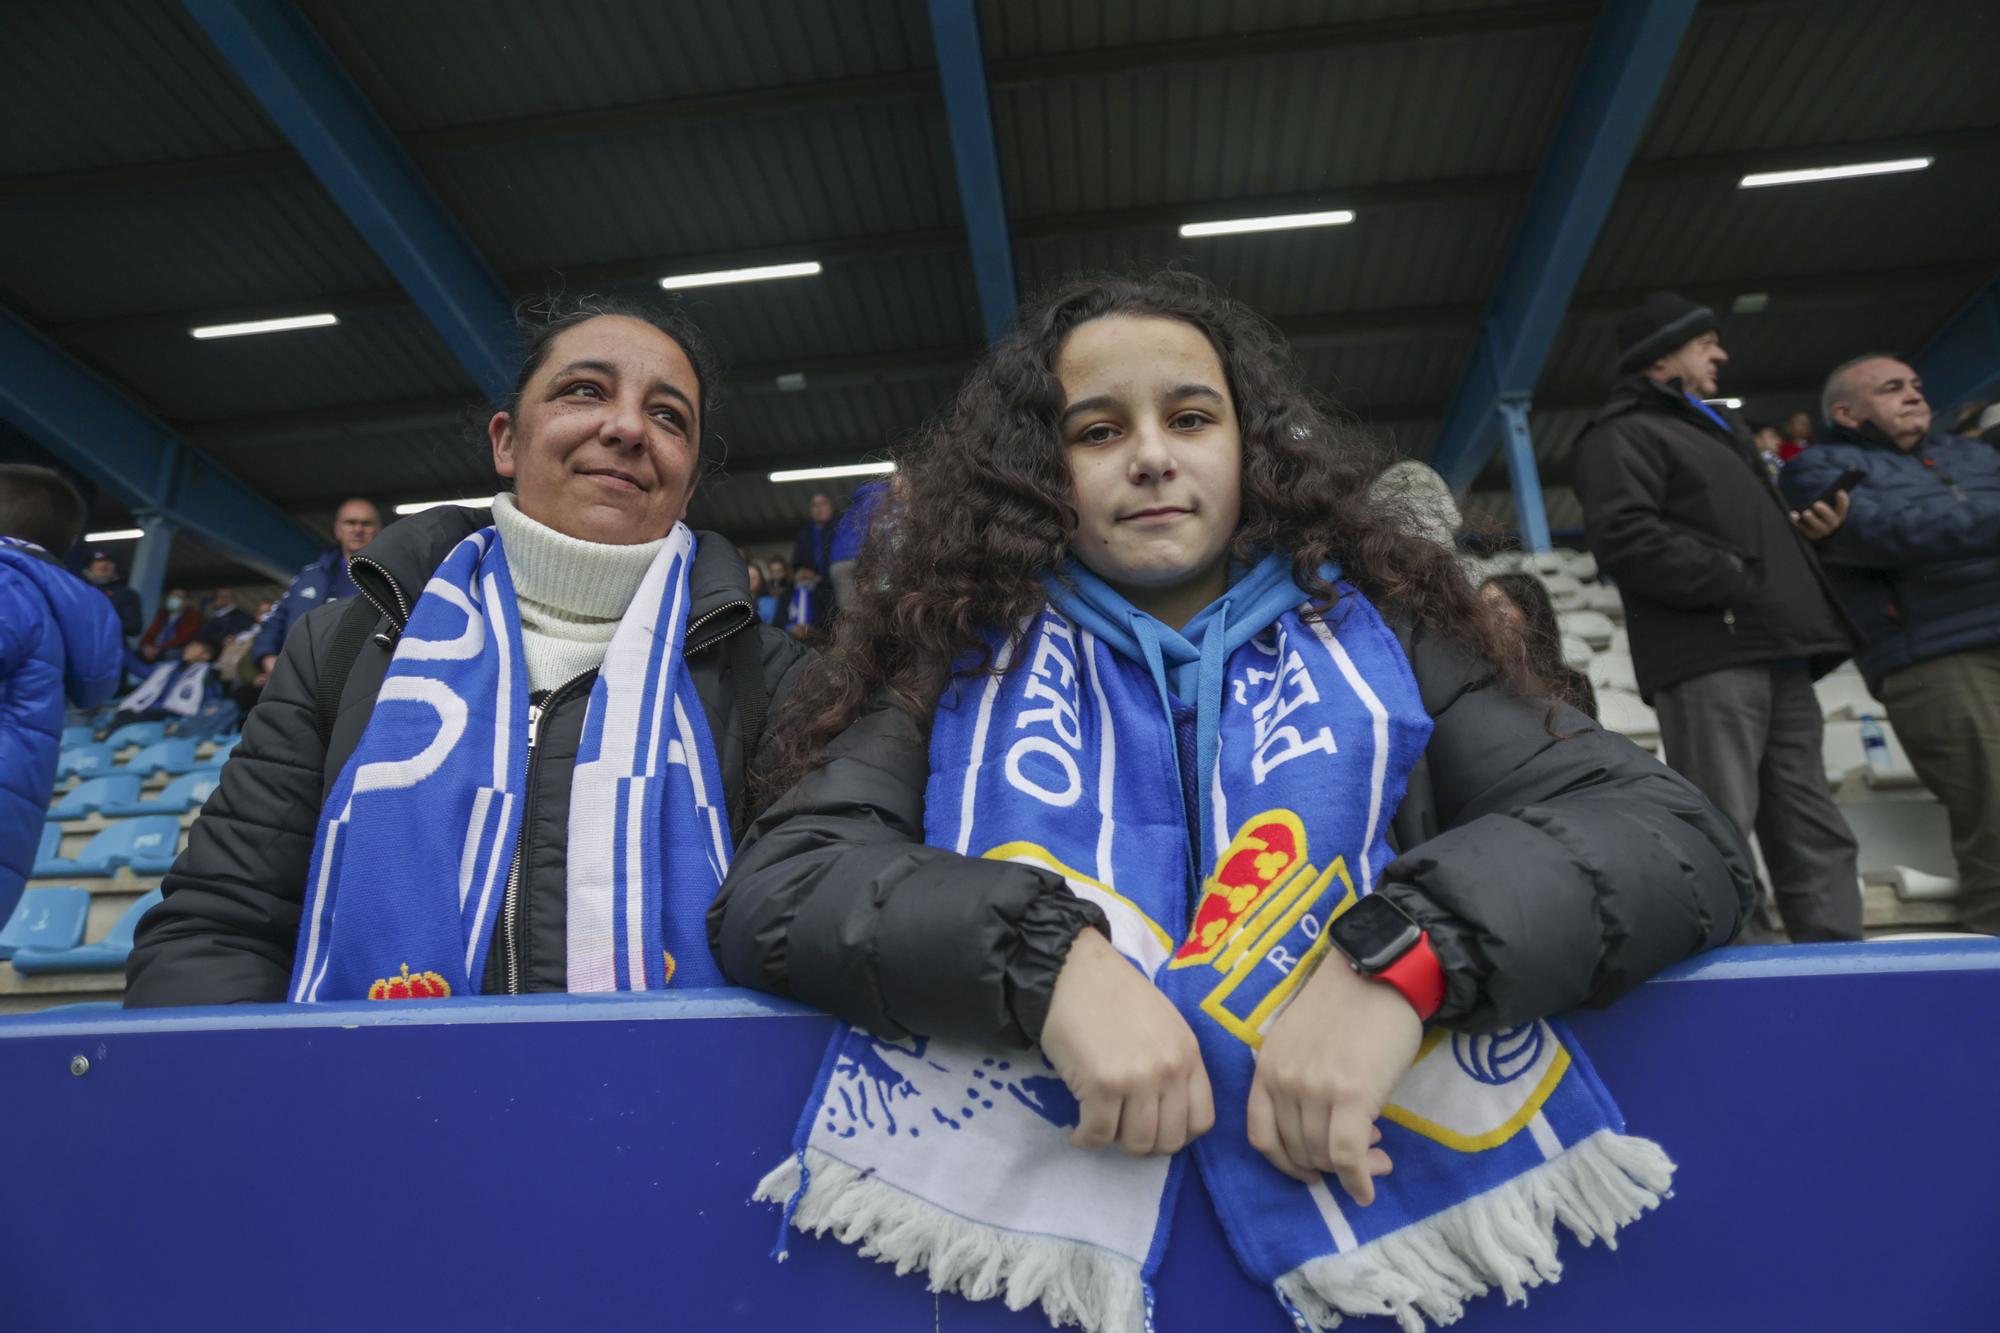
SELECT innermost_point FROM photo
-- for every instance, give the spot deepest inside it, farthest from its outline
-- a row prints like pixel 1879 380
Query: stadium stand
pixel 46 919
pixel 1909 880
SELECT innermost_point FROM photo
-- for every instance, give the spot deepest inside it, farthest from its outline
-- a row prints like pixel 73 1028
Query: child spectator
pixel 57 636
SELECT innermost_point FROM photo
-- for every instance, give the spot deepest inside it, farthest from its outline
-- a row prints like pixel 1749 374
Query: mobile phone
pixel 1846 481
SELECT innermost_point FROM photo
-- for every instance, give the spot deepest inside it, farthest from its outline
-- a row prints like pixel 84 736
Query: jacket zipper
pixel 510 904
pixel 400 617
pixel 740 608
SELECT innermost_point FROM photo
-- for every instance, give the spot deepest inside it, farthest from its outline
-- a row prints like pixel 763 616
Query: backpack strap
pixel 351 632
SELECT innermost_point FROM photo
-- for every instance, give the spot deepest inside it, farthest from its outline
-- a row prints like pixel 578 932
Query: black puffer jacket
pixel 1549 873
pixel 1682 515
pixel 229 924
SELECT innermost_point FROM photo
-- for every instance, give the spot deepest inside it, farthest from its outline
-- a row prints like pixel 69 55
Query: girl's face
pixel 1155 461
pixel 756 581
pixel 604 444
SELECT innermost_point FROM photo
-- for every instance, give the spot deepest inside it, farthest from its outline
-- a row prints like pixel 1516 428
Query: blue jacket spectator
pixel 814 548
pixel 325 580
pixel 57 635
pixel 1917 562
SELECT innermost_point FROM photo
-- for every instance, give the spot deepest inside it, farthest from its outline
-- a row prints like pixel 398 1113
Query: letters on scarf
pixel 171 687
pixel 934 1155
pixel 417 839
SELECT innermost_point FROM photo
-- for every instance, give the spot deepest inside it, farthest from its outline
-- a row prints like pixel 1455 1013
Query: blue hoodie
pixel 56 632
pixel 1187 665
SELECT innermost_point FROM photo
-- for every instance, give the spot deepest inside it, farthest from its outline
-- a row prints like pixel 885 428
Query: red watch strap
pixel 1419 976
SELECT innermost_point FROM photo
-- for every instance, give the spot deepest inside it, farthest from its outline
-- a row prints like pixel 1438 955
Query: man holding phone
pixel 1917 563
pixel 1730 616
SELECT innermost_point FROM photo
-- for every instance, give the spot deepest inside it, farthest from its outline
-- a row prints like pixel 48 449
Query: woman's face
pixel 605 442
pixel 1155 460
pixel 756 580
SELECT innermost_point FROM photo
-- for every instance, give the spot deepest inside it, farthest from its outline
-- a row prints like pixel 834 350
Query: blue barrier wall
pixel 586 1163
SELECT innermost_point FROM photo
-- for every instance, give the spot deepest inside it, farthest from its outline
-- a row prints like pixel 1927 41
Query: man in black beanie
pixel 1729 614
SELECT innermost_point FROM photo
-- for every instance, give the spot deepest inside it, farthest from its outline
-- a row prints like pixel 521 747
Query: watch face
pixel 1374 933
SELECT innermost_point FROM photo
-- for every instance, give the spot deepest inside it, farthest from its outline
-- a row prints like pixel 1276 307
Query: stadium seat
pixel 137 733
pixel 105 955
pixel 183 794
pixel 1844 696
pixel 1564 591
pixel 46 919
pixel 81 734
pixel 94 794
pixel 1593 627
pixel 1898 831
pixel 1613 671
pixel 45 850
pixel 1628 715
pixel 1576 653
pixel 1914 886
pixel 216 717
pixel 147 844
pixel 1842 753
pixel 84 761
pixel 1600 598
pixel 219 755
pixel 170 757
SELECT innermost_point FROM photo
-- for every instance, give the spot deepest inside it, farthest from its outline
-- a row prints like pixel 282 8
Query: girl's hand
pixel 1126 1054
pixel 1325 1069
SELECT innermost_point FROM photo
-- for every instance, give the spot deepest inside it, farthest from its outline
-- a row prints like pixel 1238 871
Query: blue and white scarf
pixel 418 836
pixel 929 1154
pixel 171 687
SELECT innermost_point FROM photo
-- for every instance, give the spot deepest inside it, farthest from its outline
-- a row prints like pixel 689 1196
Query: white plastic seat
pixel 1593 627
pixel 1844 695
pixel 1597 597
pixel 1613 670
pixel 1576 653
pixel 1628 715
pixel 1898 830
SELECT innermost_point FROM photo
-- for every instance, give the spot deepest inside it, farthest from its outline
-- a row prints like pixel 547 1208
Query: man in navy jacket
pixel 1917 564
pixel 325 580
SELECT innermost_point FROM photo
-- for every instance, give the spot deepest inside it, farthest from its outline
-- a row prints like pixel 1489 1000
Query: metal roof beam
pixel 88 424
pixel 1961 361
pixel 961 57
pixel 1623 70
pixel 319 109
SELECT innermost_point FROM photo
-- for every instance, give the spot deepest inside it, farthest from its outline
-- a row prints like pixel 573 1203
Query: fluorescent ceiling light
pixel 1338 217
pixel 675 282
pixel 470 502
pixel 119 535
pixel 265 326
pixel 1736 403
pixel 822 473
pixel 1761 178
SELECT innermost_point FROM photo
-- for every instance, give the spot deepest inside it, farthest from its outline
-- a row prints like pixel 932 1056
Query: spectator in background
pixel 760 594
pixel 850 535
pixel 1917 563
pixel 1522 600
pixel 1422 499
pixel 56 638
pixel 779 580
pixel 1798 436
pixel 176 689
pixel 102 571
pixel 325 580
pixel 812 558
pixel 224 619
pixel 1730 615
pixel 1770 442
pixel 173 626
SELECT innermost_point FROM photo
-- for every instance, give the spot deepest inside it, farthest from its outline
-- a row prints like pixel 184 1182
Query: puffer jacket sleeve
pixel 835 900
pixel 227 928
pixel 1891 525
pixel 94 660
pixel 1563 869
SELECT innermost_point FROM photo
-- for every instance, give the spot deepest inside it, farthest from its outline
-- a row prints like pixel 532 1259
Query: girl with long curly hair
pixel 1152 741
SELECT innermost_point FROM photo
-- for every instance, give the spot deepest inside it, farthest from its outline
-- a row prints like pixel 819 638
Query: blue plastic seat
pixel 45 850
pixel 46 919
pixel 148 844
pixel 95 794
pixel 84 761
pixel 81 734
pixel 216 717
pixel 105 955
pixel 137 733
pixel 223 749
pixel 170 757
pixel 183 794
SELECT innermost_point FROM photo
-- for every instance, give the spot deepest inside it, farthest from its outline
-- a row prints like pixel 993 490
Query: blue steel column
pixel 1630 53
pixel 148 575
pixel 961 56
pixel 1530 518
pixel 85 422
pixel 314 103
pixel 1961 361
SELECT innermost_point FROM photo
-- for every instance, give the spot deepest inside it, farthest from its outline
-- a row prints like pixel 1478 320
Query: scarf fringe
pixel 1074 1283
pixel 1505 1237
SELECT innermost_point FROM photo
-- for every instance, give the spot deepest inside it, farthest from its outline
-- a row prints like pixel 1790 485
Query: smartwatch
pixel 1385 944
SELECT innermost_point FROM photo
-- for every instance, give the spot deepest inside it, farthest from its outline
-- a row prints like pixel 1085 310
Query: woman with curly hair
pixel 1152 741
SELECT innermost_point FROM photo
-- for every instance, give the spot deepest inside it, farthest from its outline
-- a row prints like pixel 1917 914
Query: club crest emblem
pixel 422 986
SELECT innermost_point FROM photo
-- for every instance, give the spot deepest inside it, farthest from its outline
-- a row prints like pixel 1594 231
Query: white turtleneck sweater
pixel 572 593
